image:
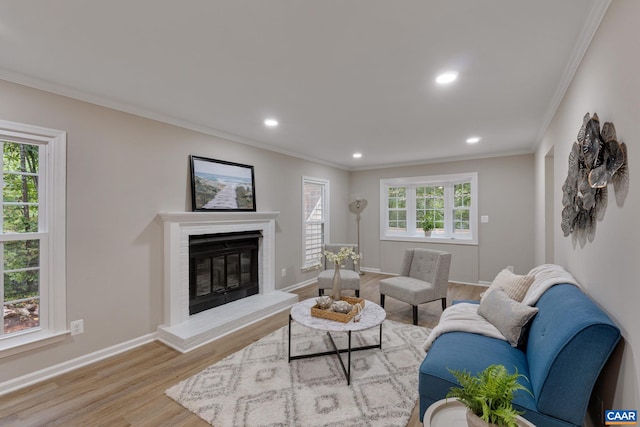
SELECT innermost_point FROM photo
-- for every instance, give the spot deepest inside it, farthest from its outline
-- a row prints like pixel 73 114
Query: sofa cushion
pixel 514 285
pixel 506 314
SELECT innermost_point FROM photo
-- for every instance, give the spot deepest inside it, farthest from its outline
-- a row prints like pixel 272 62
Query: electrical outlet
pixel 510 268
pixel 284 272
pixel 77 327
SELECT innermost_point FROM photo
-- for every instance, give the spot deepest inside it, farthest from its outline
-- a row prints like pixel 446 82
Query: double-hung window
pixel 448 202
pixel 315 219
pixel 32 237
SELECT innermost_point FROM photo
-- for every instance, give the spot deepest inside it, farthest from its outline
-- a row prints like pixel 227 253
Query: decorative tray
pixel 339 317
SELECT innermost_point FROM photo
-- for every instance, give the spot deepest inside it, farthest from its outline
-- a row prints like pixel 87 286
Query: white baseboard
pixel 298 285
pixel 481 283
pixel 70 365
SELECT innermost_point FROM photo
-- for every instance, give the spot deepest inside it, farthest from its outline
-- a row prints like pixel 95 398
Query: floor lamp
pixel 356 206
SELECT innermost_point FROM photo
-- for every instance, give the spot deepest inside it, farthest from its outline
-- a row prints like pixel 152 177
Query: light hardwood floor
pixel 128 389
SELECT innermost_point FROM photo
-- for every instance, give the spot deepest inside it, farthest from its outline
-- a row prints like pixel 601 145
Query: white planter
pixel 475 421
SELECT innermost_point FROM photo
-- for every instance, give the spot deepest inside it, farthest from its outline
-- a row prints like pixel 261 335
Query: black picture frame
pixel 210 178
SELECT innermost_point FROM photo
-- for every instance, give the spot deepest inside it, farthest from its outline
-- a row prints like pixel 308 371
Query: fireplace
pixel 222 268
pixel 184 330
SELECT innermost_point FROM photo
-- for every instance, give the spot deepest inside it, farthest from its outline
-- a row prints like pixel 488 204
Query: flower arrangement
pixel 337 258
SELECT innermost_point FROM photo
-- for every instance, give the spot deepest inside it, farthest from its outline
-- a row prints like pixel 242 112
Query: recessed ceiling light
pixel 357 155
pixel 446 78
pixel 473 140
pixel 271 122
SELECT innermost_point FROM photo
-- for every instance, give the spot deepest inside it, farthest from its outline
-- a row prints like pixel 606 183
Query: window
pixel 315 219
pixel 397 209
pixel 448 201
pixel 32 237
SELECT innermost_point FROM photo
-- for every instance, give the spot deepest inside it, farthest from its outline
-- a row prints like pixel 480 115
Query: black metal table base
pixel 336 351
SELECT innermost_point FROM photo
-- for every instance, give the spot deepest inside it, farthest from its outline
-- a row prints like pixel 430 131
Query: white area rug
pixel 258 387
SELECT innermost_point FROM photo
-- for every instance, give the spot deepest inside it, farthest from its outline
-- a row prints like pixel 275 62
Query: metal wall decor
pixel 596 160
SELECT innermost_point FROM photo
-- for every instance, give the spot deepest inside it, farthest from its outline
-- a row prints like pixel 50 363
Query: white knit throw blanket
pixel 464 317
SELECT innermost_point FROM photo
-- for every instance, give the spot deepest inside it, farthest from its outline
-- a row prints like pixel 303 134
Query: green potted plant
pixel 427 225
pixel 488 396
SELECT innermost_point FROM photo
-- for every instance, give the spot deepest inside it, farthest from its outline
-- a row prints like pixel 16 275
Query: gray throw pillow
pixel 507 315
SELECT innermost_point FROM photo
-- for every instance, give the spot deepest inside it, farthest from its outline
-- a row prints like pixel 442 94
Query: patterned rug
pixel 258 387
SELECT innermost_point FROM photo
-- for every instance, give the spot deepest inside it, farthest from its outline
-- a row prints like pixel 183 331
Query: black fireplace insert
pixel 223 268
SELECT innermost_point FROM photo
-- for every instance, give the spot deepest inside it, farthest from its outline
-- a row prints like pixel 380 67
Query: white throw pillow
pixel 514 285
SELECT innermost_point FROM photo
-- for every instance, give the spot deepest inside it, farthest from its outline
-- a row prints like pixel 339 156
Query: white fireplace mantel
pixel 184 332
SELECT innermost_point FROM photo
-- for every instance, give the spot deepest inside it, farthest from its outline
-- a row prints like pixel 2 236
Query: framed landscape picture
pixel 217 185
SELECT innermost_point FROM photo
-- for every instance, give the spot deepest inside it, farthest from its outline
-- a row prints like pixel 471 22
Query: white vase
pixel 336 288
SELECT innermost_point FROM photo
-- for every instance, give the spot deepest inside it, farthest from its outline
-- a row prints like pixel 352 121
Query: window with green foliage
pixel 430 205
pixel 32 238
pixel 445 204
pixel 397 202
pixel 21 254
pixel 462 208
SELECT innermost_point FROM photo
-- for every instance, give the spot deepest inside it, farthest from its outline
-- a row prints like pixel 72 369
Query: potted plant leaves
pixel 427 225
pixel 488 396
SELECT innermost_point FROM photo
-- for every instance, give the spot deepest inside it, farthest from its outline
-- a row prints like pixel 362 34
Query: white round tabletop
pixel 453 413
pixel 372 315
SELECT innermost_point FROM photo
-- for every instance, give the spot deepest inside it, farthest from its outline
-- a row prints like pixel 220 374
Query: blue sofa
pixel 567 344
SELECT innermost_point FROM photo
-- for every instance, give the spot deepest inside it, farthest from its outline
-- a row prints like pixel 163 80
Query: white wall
pixel 607 82
pixel 121 171
pixel 505 194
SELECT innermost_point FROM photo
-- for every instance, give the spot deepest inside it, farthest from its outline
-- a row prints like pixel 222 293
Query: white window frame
pixel 414 234
pixel 326 209
pixel 52 234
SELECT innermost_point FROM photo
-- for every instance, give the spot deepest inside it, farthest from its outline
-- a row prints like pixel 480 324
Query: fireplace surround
pixel 185 332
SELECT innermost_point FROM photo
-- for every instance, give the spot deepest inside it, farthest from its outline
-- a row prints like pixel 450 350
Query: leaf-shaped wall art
pixel 595 160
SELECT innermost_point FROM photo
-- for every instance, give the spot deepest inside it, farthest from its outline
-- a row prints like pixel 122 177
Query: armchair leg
pixel 357 293
pixel 444 303
pixel 320 292
pixel 382 300
pixel 415 314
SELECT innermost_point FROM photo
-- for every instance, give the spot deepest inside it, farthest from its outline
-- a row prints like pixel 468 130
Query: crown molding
pixel 591 25
pixel 102 101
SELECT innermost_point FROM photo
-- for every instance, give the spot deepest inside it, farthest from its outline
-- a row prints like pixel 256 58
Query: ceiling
pixel 340 76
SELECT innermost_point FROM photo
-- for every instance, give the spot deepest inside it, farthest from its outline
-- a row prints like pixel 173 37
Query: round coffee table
pixel 372 315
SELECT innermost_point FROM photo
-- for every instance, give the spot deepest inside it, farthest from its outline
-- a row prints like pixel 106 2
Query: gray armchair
pixel 349 277
pixel 424 277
